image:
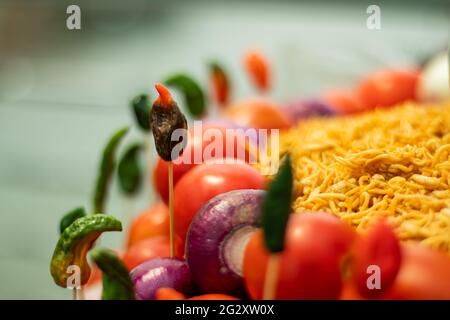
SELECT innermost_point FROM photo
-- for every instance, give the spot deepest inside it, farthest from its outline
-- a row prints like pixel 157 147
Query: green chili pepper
pixel 117 284
pixel 106 170
pixel 142 105
pixel 74 243
pixel 70 217
pixel 193 93
pixel 277 207
pixel 130 175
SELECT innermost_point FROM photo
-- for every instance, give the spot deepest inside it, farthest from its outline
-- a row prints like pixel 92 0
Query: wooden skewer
pixel 171 211
pixel 81 293
pixel 271 278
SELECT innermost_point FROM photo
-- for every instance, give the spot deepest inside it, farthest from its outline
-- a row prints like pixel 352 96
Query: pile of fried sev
pixel 392 163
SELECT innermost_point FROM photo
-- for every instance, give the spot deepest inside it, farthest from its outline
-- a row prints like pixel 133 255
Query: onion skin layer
pixel 157 273
pixel 212 226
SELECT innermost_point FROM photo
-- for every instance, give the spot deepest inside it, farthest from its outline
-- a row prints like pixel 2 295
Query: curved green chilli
pixel 106 170
pixel 70 217
pixel 193 93
pixel 74 243
pixel 117 284
pixel 276 207
pixel 142 105
pixel 129 172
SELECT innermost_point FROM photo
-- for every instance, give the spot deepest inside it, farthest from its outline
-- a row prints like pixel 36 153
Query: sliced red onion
pixel 303 109
pixel 158 273
pixel 217 238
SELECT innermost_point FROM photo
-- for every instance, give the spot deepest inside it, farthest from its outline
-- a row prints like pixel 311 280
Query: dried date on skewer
pixel 169 129
pixel 165 118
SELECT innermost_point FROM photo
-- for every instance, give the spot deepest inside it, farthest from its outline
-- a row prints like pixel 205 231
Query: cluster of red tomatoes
pixel 318 246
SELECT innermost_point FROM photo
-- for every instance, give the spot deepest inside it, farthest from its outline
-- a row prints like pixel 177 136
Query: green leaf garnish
pixel 70 217
pixel 142 105
pixel 276 207
pixel 74 243
pixel 193 94
pixel 107 170
pixel 117 284
pixel 130 175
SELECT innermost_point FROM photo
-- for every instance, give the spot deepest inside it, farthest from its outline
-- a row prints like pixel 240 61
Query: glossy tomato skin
pixel 388 87
pixel 197 151
pixel 172 294
pixel 259 114
pixel 153 221
pixel 424 275
pixel 204 183
pixel 146 249
pixel 378 247
pixel 310 265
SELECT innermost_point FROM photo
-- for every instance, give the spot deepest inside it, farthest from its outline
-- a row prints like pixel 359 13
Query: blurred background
pixel 63 92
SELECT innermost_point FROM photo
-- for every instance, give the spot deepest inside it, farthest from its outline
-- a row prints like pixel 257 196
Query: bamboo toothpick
pixel 81 293
pixel 271 278
pixel 171 211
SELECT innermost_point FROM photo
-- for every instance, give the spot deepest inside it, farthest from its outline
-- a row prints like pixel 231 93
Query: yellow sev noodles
pixel 392 162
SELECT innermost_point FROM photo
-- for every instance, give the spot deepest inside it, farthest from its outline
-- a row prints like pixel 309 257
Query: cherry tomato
pixel 343 101
pixel 388 87
pixel 146 249
pixel 169 294
pixel 214 296
pixel 310 265
pixel 380 249
pixel 197 150
pixel 172 294
pixel 424 275
pixel 205 182
pixel 259 114
pixel 153 221
pixel 257 68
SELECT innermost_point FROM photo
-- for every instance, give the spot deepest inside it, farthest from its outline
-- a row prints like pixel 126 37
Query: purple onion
pixel 217 238
pixel 158 273
pixel 303 109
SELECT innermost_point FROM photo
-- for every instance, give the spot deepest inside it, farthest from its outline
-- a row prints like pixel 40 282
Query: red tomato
pixel 424 275
pixel 310 265
pixel 205 182
pixel 172 294
pixel 153 221
pixel 379 248
pixel 196 149
pixel 257 68
pixel 385 88
pixel 146 249
pixel 169 294
pixel 343 101
pixel 259 114
pixel 214 296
